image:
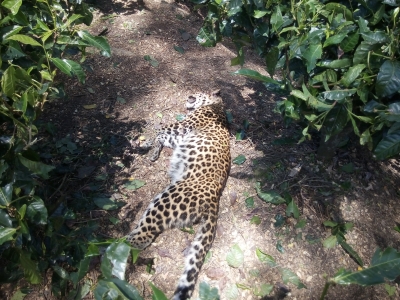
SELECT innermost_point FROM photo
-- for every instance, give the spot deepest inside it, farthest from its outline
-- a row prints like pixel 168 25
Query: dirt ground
pixel 133 98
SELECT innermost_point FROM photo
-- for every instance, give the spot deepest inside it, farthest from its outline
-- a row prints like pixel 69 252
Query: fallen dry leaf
pixel 215 273
pixel 165 253
pixel 90 106
pixel 295 171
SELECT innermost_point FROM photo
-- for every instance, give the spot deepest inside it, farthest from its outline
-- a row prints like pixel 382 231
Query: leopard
pixel 199 168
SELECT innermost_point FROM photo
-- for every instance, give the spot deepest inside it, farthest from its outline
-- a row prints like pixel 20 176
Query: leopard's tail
pixel 195 257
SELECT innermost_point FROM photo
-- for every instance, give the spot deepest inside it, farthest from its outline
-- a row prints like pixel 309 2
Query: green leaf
pixel 6 234
pixel 338 8
pixel 277 19
pixel 61 272
pixel 36 211
pixel 207 293
pixel 24 39
pixel 390 289
pixel 292 209
pixel 115 288
pixel 270 196
pixel 234 7
pixel 5 219
pixel 6 194
pixel 134 184
pixel 336 120
pixel 239 159
pixel 375 37
pixel 312 53
pixel 334 39
pixel 12 5
pixel 135 254
pixel 113 220
pixel 389 145
pixel 232 292
pixel 46 75
pixel 9 31
pixel 271 60
pixel 299 94
pixel 36 167
pixel 235 257
pixel 92 250
pixel 117 253
pixel 180 117
pixel 326 76
pixel 21 294
pixel 384 264
pixel 388 80
pixel 329 223
pixel 206 38
pixel 335 64
pixel 8 81
pixel 279 220
pixel 352 253
pixel 83 268
pixel 301 223
pixel 279 247
pixel 121 100
pixel 348 168
pixel 106 203
pixel 255 220
pixel 179 49
pixel 157 293
pixel 265 258
pixel 42 25
pixel 99 42
pixel 22 211
pixel 330 242
pixel 151 60
pixel 289 276
pixel 249 202
pixel 239 59
pixel 338 95
pixel 70 68
pixel 352 74
pixel 22 103
pixel 392 114
pixel 350 42
pixel 361 53
pixel 263 290
pixel 259 13
pixel 30 267
pixel 255 75
pixel 311 100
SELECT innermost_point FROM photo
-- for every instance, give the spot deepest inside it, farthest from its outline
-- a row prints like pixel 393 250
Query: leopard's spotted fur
pixel 199 169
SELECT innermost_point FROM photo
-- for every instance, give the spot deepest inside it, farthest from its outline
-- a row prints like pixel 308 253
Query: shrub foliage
pixel 339 61
pixel 36 39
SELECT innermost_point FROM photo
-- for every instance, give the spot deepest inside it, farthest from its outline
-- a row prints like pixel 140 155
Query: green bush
pixel 36 38
pixel 338 60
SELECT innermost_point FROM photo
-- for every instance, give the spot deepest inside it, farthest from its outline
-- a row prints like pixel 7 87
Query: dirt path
pixel 132 98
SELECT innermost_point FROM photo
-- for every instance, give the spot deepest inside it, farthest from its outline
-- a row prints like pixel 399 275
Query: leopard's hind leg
pixel 181 204
pixel 168 209
pixel 195 257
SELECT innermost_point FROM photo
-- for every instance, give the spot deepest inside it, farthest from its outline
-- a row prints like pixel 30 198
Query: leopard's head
pixel 201 99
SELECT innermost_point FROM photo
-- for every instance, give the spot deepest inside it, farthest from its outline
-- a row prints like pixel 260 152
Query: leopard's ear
pixel 216 93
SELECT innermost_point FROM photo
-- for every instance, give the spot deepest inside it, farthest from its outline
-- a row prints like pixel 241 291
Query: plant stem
pixel 325 290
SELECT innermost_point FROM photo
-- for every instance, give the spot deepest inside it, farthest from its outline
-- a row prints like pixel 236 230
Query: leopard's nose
pixel 191 99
